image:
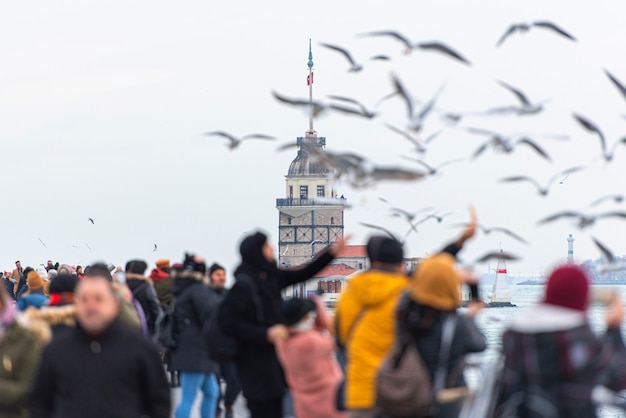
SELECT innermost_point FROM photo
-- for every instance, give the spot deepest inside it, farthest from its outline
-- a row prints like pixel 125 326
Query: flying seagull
pixel 432 170
pixel 583 220
pixel 617 198
pixel 42 243
pixel 543 190
pixel 379 228
pixel 612 263
pixel 88 247
pixel 593 128
pixel 488 230
pixel 436 46
pixel 91 220
pixel 525 27
pixel 361 109
pixel 526 107
pixel 234 142
pixel 495 255
pixel 156 248
pixel 416 119
pixel 354 66
pixel 504 143
pixel 318 107
pixel 618 84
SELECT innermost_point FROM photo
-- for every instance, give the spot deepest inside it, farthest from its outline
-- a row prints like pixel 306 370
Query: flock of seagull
pixel 360 172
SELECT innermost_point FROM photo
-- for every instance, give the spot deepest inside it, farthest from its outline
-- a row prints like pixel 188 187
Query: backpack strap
pixel 447 335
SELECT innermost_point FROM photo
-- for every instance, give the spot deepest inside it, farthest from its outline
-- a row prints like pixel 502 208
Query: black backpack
pixel 224 348
pixel 165 328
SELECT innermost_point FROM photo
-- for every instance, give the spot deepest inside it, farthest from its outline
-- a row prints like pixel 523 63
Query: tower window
pixel 321 191
pixel 291 192
pixel 289 220
pixel 332 220
pixel 304 192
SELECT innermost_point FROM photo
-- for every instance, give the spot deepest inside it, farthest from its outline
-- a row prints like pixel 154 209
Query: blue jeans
pixel 190 382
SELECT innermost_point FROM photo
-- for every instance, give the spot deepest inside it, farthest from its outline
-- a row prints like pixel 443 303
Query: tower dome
pixel 303 166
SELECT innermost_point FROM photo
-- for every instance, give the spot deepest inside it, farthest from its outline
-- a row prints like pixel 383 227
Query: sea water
pixel 493 321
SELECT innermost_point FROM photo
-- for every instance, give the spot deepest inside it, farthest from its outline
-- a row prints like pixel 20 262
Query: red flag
pixel 501 271
pixel 309 79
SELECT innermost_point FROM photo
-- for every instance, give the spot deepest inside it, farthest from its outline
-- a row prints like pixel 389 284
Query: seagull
pixel 543 190
pixel 361 111
pixel 526 106
pixel 617 198
pixel 593 128
pixel 432 170
pixel 497 255
pixel 418 143
pixel 355 67
pixel 416 120
pixel 156 248
pixel 620 87
pixel 88 247
pixel 284 253
pixel 42 243
pixel 612 263
pixel 563 179
pixel 379 228
pixel 318 107
pixel 525 27
pixel 428 46
pixel 234 142
pixel 584 220
pixel 91 220
pixel 488 230
pixel 503 143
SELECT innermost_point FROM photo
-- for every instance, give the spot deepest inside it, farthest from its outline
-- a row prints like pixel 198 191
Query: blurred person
pixel 16 276
pixel 34 295
pixel 228 370
pixel 194 305
pixel 143 292
pixel 163 282
pixel 311 369
pixel 554 360
pixel 8 285
pixel 22 285
pixel 79 272
pixel 50 265
pixel 258 278
pixel 65 269
pixel 118 370
pixel 20 350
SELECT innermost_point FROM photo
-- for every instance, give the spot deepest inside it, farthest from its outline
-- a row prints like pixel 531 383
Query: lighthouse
pixel 570 249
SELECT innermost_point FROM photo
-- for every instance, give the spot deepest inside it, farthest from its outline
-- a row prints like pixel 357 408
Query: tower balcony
pixel 310 202
pixel 311 140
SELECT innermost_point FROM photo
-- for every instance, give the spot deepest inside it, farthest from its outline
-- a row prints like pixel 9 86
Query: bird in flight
pixel 379 228
pixel 489 229
pixel 618 84
pixel 156 248
pixel 416 119
pixel 42 243
pixel 593 128
pixel 543 190
pixel 355 67
pixel 361 109
pixel 611 263
pixel 583 220
pixel 234 142
pixel 426 46
pixel 525 27
pixel 88 247
pixel 91 220
pixel 526 107
pixel 432 170
pixel 617 198
pixel 505 143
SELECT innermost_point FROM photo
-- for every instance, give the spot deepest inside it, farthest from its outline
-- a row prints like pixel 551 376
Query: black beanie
pixel 293 310
pixel 384 249
pixel 136 267
pixel 63 283
pixel 215 267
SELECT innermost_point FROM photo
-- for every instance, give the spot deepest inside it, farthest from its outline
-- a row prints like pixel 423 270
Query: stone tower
pixel 310 215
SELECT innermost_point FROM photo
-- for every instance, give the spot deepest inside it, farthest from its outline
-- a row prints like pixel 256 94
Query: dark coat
pixel 117 375
pixel 550 355
pixel 193 306
pixel 260 373
pixel 144 293
pixel 425 325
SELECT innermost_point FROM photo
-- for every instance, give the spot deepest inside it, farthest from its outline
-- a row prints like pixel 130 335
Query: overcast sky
pixel 104 103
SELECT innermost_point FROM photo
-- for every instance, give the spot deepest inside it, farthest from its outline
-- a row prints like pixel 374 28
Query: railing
pixel 321 140
pixel 322 201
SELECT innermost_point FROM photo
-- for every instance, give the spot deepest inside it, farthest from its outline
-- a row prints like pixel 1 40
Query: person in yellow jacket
pixel 365 321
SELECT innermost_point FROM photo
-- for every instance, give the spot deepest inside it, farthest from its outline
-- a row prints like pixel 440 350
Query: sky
pixel 104 104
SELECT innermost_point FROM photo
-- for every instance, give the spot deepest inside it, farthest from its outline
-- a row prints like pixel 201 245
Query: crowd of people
pixel 88 342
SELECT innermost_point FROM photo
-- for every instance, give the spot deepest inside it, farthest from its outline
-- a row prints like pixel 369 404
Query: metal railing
pixel 322 201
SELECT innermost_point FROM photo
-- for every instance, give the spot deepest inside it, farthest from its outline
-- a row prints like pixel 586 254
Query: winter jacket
pixel 194 305
pixel 220 294
pixel 144 293
pixel 311 370
pixel 553 356
pixel 35 298
pixel 163 283
pixel 260 373
pixel 467 338
pixel 60 319
pixel 118 374
pixel 20 350
pixel 366 326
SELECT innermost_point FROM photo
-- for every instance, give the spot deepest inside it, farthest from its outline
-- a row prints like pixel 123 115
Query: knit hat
pixel 384 250
pixel 136 267
pixel 63 283
pixel 215 267
pixel 436 283
pixel 293 310
pixel 163 263
pixel 34 281
pixel 568 286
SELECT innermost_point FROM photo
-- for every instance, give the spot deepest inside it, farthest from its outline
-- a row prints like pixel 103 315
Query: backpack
pixel 403 383
pixel 224 348
pixel 165 328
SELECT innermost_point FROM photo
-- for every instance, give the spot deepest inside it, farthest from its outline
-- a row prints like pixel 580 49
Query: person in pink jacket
pixel 311 370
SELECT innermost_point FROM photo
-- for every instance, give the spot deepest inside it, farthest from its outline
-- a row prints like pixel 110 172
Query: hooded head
pixel 436 283
pixel 384 250
pixel 568 287
pixel 34 281
pixel 255 253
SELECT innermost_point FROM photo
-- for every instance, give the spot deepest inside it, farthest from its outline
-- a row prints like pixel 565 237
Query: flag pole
pixel 310 83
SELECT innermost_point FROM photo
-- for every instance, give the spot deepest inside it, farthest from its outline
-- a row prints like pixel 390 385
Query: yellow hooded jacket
pixel 366 326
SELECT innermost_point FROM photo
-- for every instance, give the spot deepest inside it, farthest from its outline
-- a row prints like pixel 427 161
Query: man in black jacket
pixel 100 369
pixel 260 373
